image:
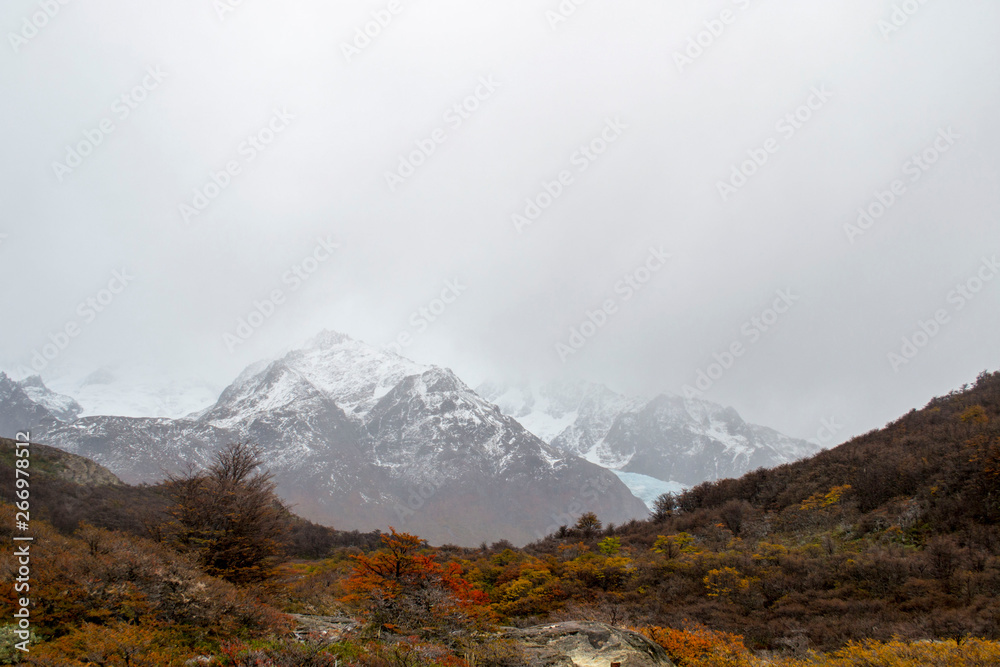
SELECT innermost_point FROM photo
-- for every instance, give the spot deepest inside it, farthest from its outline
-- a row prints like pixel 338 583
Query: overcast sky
pixel 116 115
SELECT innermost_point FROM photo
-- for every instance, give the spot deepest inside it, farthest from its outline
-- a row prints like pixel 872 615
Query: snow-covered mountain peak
pixel 672 409
pixel 435 417
pixel 328 338
pixel 441 394
pixel 349 372
pixel 63 408
pixel 275 387
pixel 352 373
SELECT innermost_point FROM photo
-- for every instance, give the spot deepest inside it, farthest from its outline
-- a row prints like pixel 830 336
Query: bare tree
pixel 663 507
pixel 589 524
pixel 229 515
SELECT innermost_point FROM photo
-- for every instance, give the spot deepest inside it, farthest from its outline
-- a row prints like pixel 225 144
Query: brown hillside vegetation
pixel 946 457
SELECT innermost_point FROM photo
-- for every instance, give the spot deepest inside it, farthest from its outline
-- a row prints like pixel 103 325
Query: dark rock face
pixel 587 644
pixel 322 628
pixel 18 412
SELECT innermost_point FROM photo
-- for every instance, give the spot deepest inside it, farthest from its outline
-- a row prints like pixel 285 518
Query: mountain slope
pixel 138 450
pixel 51 462
pixel 945 458
pixel 454 452
pixel 895 533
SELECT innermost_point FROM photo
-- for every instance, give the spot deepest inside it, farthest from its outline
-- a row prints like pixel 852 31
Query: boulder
pixel 587 644
pixel 323 628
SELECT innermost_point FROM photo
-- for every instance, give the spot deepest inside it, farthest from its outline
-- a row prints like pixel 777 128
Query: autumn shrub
pixel 9 641
pixel 535 591
pixel 285 652
pixel 401 589
pixel 600 572
pixel 406 652
pixel 106 578
pixel 120 644
pixel 950 653
pixel 695 643
pixel 312 587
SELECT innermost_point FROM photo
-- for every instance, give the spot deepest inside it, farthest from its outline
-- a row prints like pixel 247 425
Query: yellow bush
pixel 970 653
pixel 823 500
pixel 725 581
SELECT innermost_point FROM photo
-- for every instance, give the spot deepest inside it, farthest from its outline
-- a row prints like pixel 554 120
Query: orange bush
pixel 399 587
pixel 696 642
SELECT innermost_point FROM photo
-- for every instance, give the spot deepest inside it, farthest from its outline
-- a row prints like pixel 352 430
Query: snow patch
pixel 140 393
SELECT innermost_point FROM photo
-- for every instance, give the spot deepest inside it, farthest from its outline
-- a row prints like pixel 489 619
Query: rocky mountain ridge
pixel 669 438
